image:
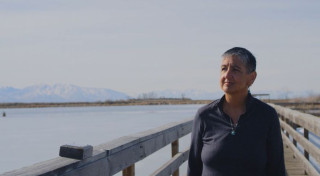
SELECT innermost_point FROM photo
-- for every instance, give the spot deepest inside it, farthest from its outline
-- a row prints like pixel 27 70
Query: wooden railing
pixel 290 120
pixel 312 108
pixel 118 155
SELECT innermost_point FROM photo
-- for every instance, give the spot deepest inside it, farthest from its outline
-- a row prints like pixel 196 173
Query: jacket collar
pixel 249 102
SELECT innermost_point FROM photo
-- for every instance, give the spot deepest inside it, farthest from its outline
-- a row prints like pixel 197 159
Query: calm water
pixel 28 136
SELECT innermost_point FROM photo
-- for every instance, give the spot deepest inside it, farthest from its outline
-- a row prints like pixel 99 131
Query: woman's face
pixel 234 77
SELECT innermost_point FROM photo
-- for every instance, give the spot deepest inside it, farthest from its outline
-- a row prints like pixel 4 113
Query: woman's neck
pixel 235 106
pixel 236 101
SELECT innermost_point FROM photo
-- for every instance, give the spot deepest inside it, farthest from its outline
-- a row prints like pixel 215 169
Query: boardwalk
pixel 293 165
pixel 298 164
pixel 121 154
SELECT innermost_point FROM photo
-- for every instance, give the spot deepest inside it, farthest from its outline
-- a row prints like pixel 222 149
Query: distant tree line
pixel 153 95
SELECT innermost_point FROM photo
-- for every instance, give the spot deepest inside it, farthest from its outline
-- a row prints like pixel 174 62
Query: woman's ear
pixel 252 78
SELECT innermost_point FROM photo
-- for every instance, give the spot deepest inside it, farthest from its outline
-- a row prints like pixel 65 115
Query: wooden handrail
pixel 114 156
pixel 169 167
pixel 307 121
pixel 291 119
pixel 306 144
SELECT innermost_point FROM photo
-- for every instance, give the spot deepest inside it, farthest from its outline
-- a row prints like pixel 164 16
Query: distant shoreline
pixel 130 102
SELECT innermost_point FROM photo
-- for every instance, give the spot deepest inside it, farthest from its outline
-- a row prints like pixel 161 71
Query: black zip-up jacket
pixel 256 148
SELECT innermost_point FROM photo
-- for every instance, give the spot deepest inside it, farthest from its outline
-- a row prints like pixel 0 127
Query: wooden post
pixel 129 171
pixel 294 126
pixel 174 151
pixel 306 135
pixel 282 118
pixel 288 122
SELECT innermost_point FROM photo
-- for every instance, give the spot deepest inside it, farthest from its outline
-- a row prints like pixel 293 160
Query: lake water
pixel 28 136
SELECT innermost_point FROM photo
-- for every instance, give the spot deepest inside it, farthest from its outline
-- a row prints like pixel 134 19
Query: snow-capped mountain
pixel 58 93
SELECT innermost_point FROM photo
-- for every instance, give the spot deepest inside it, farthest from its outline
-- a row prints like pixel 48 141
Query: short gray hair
pixel 244 55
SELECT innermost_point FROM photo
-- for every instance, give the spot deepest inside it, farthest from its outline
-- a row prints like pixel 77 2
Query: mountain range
pixel 58 93
pixel 71 93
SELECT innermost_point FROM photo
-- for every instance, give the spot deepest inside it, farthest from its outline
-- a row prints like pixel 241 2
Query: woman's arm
pixel 194 162
pixel 275 162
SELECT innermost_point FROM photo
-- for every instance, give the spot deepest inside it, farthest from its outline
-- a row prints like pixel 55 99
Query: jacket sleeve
pixel 275 161
pixel 194 162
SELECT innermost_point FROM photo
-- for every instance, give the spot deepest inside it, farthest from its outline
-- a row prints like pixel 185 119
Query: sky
pixel 140 46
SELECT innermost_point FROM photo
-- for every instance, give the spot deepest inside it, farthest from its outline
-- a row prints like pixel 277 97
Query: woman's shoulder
pixel 265 110
pixel 208 108
pixel 204 112
pixel 263 106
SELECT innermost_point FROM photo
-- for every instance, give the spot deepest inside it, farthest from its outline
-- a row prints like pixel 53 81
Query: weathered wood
pixel 294 141
pixel 306 135
pixel 307 165
pixel 306 144
pixel 111 157
pixel 129 171
pixel 61 166
pixel 127 150
pixel 93 168
pixel 173 164
pixel 76 152
pixel 160 137
pixel 174 151
pixel 174 148
pixel 308 121
pixel 294 166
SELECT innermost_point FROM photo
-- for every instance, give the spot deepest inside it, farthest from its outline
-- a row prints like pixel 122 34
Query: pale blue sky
pixel 145 45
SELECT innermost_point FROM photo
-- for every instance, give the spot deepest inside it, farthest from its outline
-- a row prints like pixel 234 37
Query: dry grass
pixel 309 104
pixel 106 103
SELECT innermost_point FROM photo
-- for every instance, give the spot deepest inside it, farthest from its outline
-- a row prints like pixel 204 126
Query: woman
pixel 237 135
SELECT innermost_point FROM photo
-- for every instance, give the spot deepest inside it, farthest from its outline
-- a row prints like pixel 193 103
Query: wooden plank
pixel 135 153
pixel 294 167
pixel 306 135
pixel 173 164
pixel 76 152
pixel 96 168
pixel 129 171
pixel 174 148
pixel 307 165
pixel 174 151
pixel 308 121
pixel 122 143
pixel 294 172
pixel 306 144
pixel 57 166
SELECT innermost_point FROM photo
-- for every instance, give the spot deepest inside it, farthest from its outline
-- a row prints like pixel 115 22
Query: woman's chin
pixel 228 90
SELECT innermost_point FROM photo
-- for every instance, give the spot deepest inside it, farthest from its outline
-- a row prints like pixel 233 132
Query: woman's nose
pixel 228 74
